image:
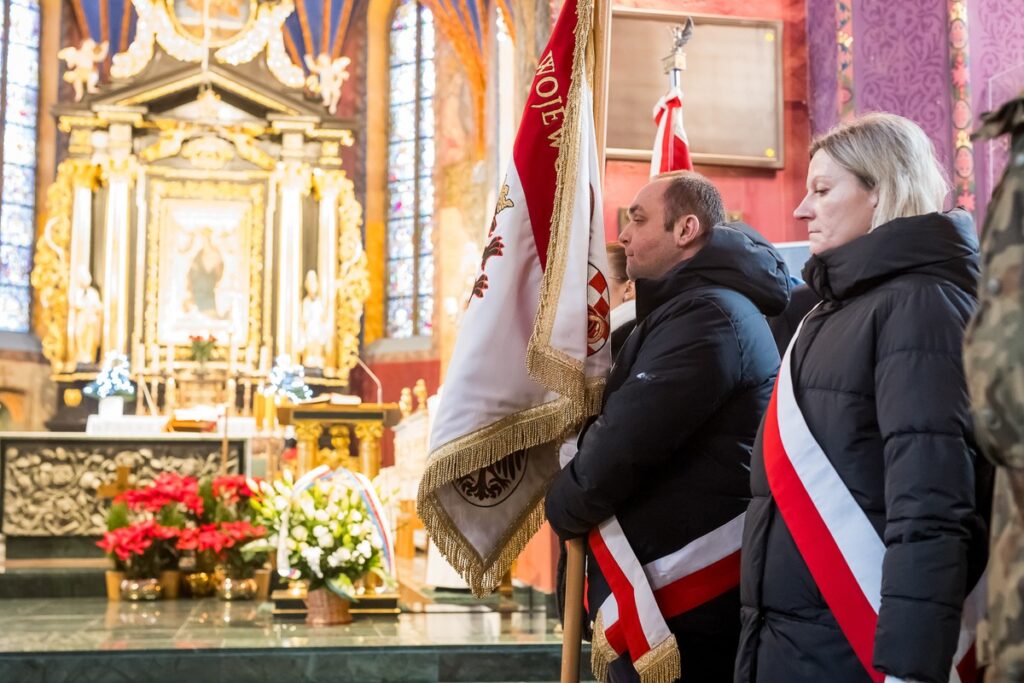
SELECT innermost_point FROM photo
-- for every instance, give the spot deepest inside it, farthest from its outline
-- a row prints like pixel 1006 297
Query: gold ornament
pixel 353 283
pixel 72 398
pixel 208 152
pixel 51 272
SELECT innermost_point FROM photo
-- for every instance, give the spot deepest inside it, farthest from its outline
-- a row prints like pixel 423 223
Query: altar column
pixel 293 179
pixel 118 174
pixel 328 186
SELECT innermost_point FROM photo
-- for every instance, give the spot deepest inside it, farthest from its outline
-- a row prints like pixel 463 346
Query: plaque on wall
pixel 732 87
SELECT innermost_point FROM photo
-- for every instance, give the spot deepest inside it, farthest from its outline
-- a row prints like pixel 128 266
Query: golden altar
pixel 201 196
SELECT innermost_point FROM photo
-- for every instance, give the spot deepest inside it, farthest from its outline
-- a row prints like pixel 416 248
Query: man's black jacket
pixel 669 453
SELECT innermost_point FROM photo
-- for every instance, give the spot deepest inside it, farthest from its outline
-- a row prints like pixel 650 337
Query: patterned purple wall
pixel 901 65
pixel 996 31
pixel 821 64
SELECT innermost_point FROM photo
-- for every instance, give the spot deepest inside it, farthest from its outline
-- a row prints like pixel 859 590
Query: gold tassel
pixel 660 664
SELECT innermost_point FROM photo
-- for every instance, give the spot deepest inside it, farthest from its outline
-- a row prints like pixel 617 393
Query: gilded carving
pixel 172 135
pixel 353 282
pixel 208 152
pixel 51 489
pixel 51 273
pixel 157 25
pixel 369 435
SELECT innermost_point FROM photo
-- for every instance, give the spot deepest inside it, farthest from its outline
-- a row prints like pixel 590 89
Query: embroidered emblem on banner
pixel 490 486
pixel 495 247
pixel 599 304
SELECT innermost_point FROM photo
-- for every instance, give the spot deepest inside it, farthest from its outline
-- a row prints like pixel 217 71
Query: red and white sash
pixel 842 550
pixel 633 618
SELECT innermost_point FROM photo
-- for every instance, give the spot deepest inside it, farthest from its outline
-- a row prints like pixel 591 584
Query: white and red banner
pixel 671 147
pixel 532 352
pixel 633 618
pixel 842 550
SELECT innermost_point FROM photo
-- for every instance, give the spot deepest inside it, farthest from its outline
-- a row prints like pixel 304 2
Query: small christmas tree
pixel 113 379
pixel 288 379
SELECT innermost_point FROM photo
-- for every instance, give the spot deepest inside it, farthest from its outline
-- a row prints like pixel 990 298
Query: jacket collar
pixel 940 244
pixel 736 257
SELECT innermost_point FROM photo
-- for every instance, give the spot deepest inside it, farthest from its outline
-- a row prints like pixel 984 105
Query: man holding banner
pixel 661 480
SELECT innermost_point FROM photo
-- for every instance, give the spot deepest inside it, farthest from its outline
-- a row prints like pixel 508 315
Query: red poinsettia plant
pixel 170 493
pixel 142 549
pixel 225 541
pixel 143 524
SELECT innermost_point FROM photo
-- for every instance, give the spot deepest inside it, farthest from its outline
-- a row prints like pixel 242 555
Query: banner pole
pixel 572 631
pixel 572 625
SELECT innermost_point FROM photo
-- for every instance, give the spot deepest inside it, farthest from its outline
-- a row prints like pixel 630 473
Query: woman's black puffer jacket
pixel 879 379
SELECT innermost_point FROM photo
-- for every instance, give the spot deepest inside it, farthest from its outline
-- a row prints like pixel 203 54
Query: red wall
pixel 766 197
pixel 393 378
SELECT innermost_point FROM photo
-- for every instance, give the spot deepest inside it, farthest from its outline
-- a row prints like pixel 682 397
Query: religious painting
pixel 217 21
pixel 205 262
pixel 732 87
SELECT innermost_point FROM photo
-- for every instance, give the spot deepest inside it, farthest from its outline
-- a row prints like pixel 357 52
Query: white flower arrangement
pixel 328 536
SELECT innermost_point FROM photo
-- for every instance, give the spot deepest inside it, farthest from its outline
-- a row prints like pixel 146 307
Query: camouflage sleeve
pixel 994 342
pixel 1001 636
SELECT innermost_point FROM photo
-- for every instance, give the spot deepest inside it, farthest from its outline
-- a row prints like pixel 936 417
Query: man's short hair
pixel 691 193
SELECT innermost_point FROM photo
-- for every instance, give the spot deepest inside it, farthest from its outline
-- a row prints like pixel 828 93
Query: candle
pixel 170 358
pixel 248 357
pixel 138 359
pixel 154 357
pixel 232 354
pixel 264 359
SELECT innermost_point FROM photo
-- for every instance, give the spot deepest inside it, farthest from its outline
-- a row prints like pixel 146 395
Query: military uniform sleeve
pixel 685 368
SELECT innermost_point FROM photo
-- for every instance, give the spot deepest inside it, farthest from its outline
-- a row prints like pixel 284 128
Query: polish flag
pixel 671 148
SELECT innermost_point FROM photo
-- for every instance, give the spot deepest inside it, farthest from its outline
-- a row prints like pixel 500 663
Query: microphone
pixel 373 376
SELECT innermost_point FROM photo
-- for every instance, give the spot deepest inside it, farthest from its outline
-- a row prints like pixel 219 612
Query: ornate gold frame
pixel 183 32
pixel 161 189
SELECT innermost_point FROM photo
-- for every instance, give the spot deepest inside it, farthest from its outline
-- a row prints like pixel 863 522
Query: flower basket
pixel 326 608
pixel 325 529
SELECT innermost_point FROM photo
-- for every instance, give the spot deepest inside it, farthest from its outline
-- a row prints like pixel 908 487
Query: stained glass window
pixel 410 252
pixel 19 60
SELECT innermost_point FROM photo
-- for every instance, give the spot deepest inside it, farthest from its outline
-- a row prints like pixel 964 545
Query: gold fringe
pixel 660 664
pixel 547 365
pixel 601 653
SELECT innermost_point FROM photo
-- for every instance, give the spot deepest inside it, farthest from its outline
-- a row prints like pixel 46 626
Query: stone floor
pixel 89 640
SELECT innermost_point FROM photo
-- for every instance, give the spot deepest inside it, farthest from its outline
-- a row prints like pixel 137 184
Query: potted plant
pixel 112 385
pixel 224 541
pixel 117 518
pixel 201 348
pixel 143 548
pixel 322 533
pixel 172 501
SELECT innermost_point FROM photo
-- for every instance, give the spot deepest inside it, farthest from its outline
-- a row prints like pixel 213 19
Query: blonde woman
pixel 866 531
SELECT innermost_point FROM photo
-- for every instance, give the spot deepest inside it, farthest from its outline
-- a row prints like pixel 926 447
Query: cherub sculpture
pixel 326 78
pixel 81 66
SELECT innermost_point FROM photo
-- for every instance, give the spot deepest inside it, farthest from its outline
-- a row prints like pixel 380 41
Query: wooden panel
pixel 732 87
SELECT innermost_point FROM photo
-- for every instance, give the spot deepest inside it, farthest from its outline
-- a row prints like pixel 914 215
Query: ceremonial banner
pixel 671 148
pixel 532 352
